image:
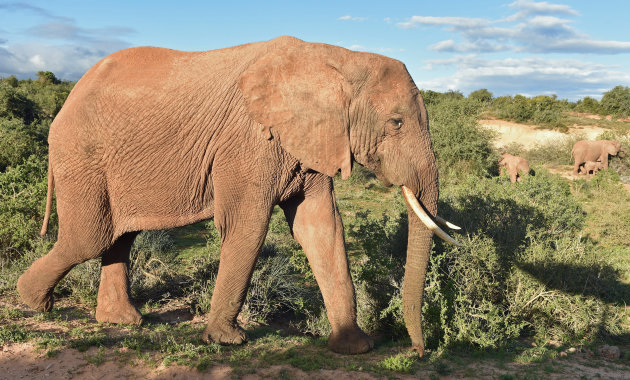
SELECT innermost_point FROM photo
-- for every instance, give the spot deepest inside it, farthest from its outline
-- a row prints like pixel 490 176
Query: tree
pixel 616 102
pixel 47 77
pixel 483 96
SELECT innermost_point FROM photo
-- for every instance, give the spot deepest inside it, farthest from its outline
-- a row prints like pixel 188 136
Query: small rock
pixel 563 354
pixel 572 350
pixel 609 352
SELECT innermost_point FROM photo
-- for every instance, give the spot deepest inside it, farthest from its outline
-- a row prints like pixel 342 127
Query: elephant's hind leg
pixel 36 285
pixel 114 303
pixel 84 234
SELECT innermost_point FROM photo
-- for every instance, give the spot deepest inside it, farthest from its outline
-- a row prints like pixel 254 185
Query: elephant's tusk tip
pixel 447 223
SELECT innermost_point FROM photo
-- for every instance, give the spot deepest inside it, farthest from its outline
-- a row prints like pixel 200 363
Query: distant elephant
pixel 154 138
pixel 516 166
pixel 585 150
pixel 592 167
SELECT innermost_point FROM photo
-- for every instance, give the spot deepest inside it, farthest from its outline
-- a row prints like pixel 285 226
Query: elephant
pixel 592 167
pixel 153 138
pixel 516 166
pixel 585 150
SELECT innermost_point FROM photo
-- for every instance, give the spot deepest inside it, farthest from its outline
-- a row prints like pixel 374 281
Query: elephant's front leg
pixel 317 226
pixel 242 222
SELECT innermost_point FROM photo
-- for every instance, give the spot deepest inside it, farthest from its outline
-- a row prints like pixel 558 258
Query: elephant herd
pixel 589 157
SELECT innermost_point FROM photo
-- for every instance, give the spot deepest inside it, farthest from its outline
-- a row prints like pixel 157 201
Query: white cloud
pixel 62 47
pixel 467 47
pixel 527 8
pixel 454 22
pixel 66 61
pixel 356 47
pixel 572 78
pixel 352 18
pixel 534 28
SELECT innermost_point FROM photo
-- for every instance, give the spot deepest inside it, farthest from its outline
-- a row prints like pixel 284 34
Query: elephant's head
pixel 613 147
pixel 328 107
pixel 505 158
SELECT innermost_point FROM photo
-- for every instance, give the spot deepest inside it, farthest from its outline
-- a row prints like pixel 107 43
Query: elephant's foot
pixel 121 312
pixel 226 333
pixel 37 299
pixel 350 341
pixel 419 349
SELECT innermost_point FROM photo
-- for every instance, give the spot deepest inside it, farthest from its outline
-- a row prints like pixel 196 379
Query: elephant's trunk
pixel 418 250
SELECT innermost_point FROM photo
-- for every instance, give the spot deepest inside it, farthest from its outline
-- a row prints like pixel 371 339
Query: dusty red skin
pixel 153 138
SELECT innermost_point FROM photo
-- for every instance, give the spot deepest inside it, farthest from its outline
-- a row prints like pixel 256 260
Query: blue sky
pixel 569 48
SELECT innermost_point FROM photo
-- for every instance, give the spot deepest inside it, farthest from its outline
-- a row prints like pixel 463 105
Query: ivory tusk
pixel 410 197
pixel 446 223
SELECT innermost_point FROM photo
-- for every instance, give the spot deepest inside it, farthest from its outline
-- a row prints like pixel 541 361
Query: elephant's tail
pixel 49 195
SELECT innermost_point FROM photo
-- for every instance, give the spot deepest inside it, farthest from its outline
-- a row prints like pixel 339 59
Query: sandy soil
pixel 530 135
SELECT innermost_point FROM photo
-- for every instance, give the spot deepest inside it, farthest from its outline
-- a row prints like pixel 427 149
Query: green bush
pixel 588 105
pixel 22 201
pixel 616 102
pixel 459 143
pixel 16 143
pixel 541 110
pixel 482 96
pixel 523 259
pixel 556 152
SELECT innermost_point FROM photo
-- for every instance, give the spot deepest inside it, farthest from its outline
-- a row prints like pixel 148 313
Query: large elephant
pixel 516 166
pixel 154 138
pixel 585 150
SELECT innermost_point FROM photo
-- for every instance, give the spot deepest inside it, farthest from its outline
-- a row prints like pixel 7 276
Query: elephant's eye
pixel 396 123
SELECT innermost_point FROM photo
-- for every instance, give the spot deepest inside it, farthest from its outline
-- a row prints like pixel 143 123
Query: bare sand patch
pixel 529 136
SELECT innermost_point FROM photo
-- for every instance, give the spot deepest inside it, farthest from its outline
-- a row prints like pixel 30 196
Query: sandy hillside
pixel 530 135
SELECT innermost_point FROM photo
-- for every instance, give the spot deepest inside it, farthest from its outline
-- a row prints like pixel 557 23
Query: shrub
pixel 22 202
pixel 14 104
pixel 588 105
pixel 616 102
pixel 556 152
pixel 16 143
pixel 542 110
pixel 484 294
pixel 482 96
pixel 459 143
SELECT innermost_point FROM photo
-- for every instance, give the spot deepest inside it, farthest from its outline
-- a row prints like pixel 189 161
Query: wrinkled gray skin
pixel 154 138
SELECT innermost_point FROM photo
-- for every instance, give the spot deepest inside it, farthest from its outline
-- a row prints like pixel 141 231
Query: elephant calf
pixel 592 167
pixel 516 166
pixel 585 150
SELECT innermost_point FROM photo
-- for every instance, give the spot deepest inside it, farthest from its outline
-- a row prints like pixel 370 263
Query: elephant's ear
pixel 301 99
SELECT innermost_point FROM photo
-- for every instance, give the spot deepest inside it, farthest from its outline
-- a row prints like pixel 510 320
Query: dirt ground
pixel 530 135
pixel 26 361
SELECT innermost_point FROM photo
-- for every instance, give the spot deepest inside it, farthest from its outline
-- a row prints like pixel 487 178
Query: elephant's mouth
pixel 428 221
